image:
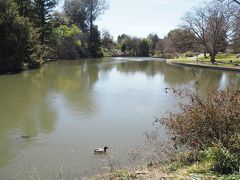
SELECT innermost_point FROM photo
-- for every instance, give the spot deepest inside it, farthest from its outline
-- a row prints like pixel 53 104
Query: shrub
pixel 222 160
pixel 205 121
pixel 105 52
pixel 225 162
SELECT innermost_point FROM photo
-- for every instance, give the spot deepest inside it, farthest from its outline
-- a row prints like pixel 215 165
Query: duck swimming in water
pixel 100 150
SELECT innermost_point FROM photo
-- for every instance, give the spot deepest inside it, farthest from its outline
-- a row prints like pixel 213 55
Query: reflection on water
pixel 69 107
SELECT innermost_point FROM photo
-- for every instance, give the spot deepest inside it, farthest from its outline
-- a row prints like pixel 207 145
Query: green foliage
pixel 94 45
pixel 105 52
pixel 83 13
pixel 34 48
pixel 153 40
pixel 123 48
pixel 133 46
pixel 19 40
pixel 42 14
pixel 75 11
pixel 143 48
pixel 25 7
pixel 68 42
pixel 67 32
pixel 107 40
pixel 108 44
pixel 223 161
pixel 164 55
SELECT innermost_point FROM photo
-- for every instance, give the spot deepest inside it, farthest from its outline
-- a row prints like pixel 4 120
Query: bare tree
pixel 182 41
pixel 236 1
pixel 213 26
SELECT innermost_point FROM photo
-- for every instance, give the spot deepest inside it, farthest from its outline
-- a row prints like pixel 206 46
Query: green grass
pixel 225 60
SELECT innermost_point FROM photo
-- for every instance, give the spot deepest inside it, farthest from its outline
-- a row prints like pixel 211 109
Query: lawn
pixel 229 60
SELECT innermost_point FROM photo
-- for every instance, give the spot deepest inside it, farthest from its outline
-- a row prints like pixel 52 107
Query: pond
pixel 56 115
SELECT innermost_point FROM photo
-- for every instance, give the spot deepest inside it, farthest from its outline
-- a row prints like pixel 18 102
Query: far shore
pixel 201 65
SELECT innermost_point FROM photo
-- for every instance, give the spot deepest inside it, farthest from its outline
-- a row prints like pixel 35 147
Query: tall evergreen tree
pixel 143 48
pixel 43 9
pixel 25 7
pixel 95 43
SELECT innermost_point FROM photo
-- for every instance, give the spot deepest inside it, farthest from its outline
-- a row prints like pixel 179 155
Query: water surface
pixel 69 107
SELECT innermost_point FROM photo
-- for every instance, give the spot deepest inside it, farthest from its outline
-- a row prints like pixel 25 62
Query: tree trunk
pixel 213 57
pixel 205 55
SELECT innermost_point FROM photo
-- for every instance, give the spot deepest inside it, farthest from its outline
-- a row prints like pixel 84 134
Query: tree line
pixel 209 29
pixel 31 33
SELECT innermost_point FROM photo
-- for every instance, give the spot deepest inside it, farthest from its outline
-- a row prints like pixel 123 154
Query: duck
pixel 24 136
pixel 100 150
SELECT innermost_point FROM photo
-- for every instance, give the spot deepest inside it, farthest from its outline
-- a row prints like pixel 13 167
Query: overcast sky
pixel 141 17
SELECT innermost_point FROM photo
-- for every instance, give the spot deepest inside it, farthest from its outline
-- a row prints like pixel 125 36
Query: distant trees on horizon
pixel 31 32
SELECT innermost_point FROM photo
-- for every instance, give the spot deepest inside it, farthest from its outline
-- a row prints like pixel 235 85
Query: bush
pixel 222 160
pixel 225 162
pixel 204 121
pixel 105 52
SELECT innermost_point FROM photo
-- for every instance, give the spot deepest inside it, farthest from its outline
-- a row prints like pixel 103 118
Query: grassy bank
pixel 194 172
pixel 228 61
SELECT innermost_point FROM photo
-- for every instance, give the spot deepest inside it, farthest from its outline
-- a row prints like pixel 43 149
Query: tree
pixel 132 46
pixel 180 41
pixel 236 1
pixel 122 42
pixel 68 41
pixel 160 46
pixel 84 13
pixel 74 9
pixel 95 43
pixel 212 27
pixel 107 39
pixel 108 44
pixel 122 38
pixel 236 37
pixel 123 48
pixel 93 9
pixel 25 8
pixel 143 48
pixel 43 9
pixel 153 40
pixel 19 47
